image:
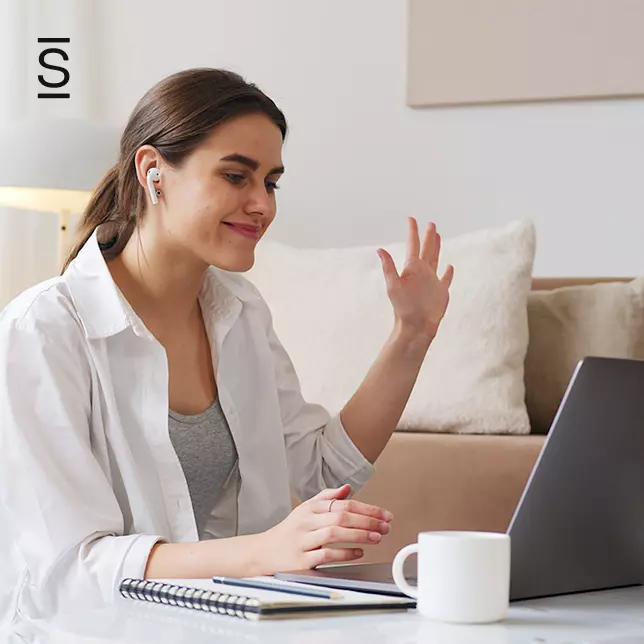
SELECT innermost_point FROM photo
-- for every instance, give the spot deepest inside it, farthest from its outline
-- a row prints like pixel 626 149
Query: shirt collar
pixel 104 311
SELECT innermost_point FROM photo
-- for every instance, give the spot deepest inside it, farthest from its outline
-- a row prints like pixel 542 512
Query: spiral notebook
pixel 250 603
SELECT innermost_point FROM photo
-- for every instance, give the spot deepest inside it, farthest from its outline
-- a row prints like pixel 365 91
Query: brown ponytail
pixel 174 116
pixel 101 209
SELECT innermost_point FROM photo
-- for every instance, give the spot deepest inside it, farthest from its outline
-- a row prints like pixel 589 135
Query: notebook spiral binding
pixel 208 601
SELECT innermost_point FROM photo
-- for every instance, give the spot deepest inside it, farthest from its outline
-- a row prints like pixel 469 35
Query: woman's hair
pixel 174 116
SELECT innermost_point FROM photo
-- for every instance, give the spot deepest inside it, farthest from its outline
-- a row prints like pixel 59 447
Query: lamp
pixel 53 165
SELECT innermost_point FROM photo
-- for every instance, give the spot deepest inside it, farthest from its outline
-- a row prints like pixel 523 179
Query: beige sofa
pixel 447 481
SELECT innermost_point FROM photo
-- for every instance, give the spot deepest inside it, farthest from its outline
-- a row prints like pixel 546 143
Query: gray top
pixel 208 456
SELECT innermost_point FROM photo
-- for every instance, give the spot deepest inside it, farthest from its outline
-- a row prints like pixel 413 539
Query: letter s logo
pixel 44 63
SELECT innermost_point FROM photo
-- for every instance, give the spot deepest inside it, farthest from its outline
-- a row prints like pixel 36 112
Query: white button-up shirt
pixel 89 480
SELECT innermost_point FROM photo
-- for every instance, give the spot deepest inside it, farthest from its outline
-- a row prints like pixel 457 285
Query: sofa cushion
pixel 331 312
pixel 566 324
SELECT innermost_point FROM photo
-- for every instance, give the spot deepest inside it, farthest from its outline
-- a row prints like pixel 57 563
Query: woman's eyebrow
pixel 251 163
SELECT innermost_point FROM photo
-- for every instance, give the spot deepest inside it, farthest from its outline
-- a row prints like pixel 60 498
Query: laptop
pixel 579 525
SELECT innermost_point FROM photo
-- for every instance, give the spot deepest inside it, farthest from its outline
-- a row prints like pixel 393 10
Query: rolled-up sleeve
pixel 59 503
pixel 319 451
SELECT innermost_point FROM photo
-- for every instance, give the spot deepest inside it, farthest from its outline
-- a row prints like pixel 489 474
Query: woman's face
pixel 220 202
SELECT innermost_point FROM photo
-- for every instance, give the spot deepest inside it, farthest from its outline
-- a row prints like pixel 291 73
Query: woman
pixel 152 423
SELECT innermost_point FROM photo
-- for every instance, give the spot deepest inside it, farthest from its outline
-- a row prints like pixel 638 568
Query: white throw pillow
pixel 332 314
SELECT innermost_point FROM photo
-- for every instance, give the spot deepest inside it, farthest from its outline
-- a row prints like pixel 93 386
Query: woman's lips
pixel 246 232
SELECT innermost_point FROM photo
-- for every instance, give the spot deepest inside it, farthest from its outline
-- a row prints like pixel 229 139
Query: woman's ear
pixel 147 159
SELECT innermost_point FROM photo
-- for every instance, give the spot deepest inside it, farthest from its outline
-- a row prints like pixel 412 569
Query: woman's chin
pixel 237 263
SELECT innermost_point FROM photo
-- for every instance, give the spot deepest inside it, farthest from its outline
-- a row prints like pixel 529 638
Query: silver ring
pixel 332 502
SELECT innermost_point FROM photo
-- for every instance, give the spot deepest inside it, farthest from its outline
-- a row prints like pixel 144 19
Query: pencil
pixel 278 587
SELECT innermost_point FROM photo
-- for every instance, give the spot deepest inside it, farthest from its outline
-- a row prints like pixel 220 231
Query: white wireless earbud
pixel 153 175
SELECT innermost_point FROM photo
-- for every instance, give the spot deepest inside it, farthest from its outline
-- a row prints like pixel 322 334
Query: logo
pixel 42 59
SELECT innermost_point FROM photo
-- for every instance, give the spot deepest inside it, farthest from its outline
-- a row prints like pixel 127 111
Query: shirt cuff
pixel 347 457
pixel 136 559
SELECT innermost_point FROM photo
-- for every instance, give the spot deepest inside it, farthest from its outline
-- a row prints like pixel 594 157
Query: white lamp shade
pixel 54 165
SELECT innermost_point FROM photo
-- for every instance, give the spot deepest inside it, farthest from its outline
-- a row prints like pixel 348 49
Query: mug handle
pixel 397 570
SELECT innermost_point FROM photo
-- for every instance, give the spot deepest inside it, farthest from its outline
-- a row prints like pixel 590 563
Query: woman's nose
pixel 261 201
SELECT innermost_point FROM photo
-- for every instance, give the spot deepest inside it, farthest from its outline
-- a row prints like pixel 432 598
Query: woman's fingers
pixel 329 535
pixel 349 520
pixel 332 555
pixel 433 262
pixel 430 247
pixel 333 493
pixel 413 241
pixel 351 506
pixel 448 276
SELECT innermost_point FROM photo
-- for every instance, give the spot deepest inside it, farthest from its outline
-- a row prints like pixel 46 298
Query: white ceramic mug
pixel 463 577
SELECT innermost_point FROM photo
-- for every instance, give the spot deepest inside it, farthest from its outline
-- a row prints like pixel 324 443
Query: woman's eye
pixel 235 178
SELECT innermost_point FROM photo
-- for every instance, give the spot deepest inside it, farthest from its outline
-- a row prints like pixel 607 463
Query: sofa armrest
pixel 448 482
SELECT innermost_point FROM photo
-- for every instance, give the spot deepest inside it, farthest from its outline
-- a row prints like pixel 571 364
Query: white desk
pixel 615 617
